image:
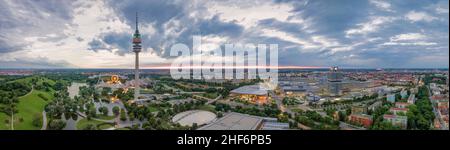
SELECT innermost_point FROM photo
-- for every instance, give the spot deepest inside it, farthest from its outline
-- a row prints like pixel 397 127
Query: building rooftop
pixel 401 109
pixel 188 118
pixel 250 89
pixel 269 125
pixel 394 116
pixel 293 88
pixel 235 121
pixel 361 116
pixel 401 103
pixel 438 97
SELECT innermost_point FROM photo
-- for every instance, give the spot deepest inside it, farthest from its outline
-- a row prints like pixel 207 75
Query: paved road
pixel 12 120
pixel 71 124
pixel 102 120
pixel 347 126
pixel 32 88
pixel 210 101
pixel 121 124
pixel 44 120
pixel 109 106
pixel 435 111
pixel 279 102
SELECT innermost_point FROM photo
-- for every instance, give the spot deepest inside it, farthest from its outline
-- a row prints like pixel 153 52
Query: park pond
pixel 75 88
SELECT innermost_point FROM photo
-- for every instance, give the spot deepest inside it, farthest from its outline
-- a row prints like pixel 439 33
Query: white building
pixel 390 98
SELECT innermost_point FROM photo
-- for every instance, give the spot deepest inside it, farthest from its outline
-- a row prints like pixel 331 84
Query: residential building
pixel 402 105
pixel 396 120
pixel 396 111
pixel 359 109
pixel 412 99
pixel 390 98
pixel 404 94
pixel 375 105
pixel 362 119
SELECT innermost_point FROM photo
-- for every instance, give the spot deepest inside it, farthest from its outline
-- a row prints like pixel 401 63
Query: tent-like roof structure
pixel 250 90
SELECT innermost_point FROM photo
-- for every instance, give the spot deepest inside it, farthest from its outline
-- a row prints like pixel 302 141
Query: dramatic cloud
pixel 20 19
pixel 408 37
pixel 348 33
pixel 39 62
pixel 419 16
pixel 373 25
pixel 384 5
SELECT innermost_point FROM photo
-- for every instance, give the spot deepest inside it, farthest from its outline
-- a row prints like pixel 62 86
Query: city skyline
pixel 310 34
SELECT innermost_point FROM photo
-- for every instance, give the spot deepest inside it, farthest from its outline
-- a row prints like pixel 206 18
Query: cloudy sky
pixel 321 33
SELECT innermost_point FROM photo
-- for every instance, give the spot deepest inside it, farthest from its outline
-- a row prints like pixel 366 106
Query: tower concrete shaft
pixel 136 77
pixel 136 49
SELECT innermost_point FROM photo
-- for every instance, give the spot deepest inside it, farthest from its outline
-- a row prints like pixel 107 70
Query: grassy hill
pixel 3 124
pixel 40 80
pixel 29 106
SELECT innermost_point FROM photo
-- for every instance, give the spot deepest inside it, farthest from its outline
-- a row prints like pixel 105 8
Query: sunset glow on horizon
pixel 233 67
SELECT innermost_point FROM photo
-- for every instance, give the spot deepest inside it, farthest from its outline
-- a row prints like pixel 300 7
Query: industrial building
pixel 238 121
pixel 292 87
pixel 335 82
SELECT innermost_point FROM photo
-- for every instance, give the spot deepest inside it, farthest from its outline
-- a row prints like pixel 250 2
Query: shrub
pixel 37 120
pixel 42 97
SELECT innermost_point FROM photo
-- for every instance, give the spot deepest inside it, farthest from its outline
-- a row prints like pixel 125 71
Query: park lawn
pixel 105 117
pixel 105 78
pixel 210 108
pixel 84 122
pixel 51 82
pixel 297 110
pixel 165 125
pixel 147 91
pixel 210 95
pixel 28 106
pixel 172 88
pixel 105 126
pixel 41 80
pixel 153 109
pixel 3 124
pixel 26 81
pixel 123 129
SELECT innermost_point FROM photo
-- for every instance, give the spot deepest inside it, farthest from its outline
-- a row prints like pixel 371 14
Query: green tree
pixel 116 110
pixel 423 124
pixel 90 126
pixel 56 124
pixel 219 115
pixel 131 117
pixel 92 112
pixel 103 110
pixel 58 86
pixel 194 126
pixel 342 116
pixel 123 115
pixel 105 91
pixel 37 120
